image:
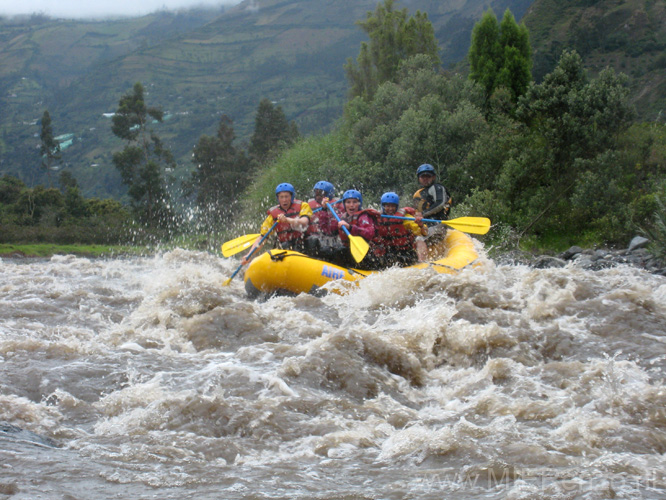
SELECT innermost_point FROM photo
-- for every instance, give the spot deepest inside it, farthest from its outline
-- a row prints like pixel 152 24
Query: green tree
pixel 221 170
pixel 565 168
pixel 500 54
pixel 422 117
pixel 141 162
pixel 67 180
pixel 49 148
pixel 272 132
pixel 10 189
pixel 75 204
pixel 40 205
pixel 394 37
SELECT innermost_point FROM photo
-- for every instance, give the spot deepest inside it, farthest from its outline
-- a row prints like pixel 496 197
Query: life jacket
pixel 353 220
pixel 433 202
pixel 283 230
pixel 392 234
pixel 321 221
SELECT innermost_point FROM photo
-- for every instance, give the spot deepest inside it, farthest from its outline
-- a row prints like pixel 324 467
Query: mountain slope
pixel 628 35
pixel 290 51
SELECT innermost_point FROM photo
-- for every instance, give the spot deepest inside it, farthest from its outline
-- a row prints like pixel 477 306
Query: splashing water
pixel 145 378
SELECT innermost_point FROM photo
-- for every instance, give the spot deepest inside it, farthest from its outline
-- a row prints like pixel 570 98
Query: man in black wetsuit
pixel 432 202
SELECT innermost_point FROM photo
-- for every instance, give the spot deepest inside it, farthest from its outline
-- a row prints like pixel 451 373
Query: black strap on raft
pixel 279 256
pixel 356 271
pixel 450 267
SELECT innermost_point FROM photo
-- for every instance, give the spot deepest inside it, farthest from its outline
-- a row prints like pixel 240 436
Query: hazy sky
pixel 99 8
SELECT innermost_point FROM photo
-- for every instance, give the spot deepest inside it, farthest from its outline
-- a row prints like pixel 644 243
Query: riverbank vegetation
pixel 552 163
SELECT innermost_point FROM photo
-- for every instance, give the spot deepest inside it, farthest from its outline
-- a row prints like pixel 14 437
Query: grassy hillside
pixel 629 36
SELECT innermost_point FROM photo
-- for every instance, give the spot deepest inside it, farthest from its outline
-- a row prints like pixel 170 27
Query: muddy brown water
pixel 144 378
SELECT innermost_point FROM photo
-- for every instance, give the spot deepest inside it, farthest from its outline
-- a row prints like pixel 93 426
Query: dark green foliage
pixel 34 205
pixel 576 118
pixel 10 189
pixel 500 55
pixel 75 205
pixel 655 229
pixel 34 215
pixel 561 170
pixel 141 162
pixel 424 117
pixel 272 132
pixel 394 37
pixel 221 172
pixel 67 180
pixel 49 147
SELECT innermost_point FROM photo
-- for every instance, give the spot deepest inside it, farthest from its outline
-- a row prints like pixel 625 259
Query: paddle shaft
pixel 322 208
pixel 412 218
pixel 332 210
pixel 475 225
pixel 252 251
pixel 357 245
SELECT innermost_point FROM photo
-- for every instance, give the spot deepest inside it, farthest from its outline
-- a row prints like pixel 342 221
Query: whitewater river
pixel 144 378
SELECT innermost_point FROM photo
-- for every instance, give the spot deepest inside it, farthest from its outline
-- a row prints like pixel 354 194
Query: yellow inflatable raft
pixel 280 271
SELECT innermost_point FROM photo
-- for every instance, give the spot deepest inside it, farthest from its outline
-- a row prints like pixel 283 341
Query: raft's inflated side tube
pixel 280 271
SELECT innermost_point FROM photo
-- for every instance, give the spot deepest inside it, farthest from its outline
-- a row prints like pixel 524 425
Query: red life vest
pixel 353 220
pixel 392 234
pixel 321 221
pixel 284 230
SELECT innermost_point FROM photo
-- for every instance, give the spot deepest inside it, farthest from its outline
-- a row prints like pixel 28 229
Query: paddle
pixel 226 283
pixel 359 247
pixel 232 247
pixel 474 225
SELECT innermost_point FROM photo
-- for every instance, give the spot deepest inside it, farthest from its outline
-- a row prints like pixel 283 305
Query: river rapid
pixel 144 378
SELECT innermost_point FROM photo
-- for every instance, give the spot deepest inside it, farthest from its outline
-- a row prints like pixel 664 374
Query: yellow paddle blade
pixel 359 247
pixel 474 225
pixel 227 282
pixel 232 247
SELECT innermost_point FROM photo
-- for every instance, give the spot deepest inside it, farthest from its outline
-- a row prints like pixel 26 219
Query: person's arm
pixel 265 227
pixel 364 227
pixel 303 220
pixel 300 222
pixel 416 226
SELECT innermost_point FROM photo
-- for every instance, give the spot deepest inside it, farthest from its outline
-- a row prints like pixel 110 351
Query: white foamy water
pixel 145 378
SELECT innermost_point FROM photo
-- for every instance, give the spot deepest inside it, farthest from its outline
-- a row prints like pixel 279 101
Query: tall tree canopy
pixel 49 147
pixel 394 37
pixel 558 167
pixel 221 170
pixel 500 54
pixel 141 162
pixel 272 131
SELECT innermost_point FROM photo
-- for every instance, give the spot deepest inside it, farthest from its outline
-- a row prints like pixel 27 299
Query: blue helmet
pixel 326 187
pixel 285 186
pixel 352 193
pixel 391 197
pixel 426 168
